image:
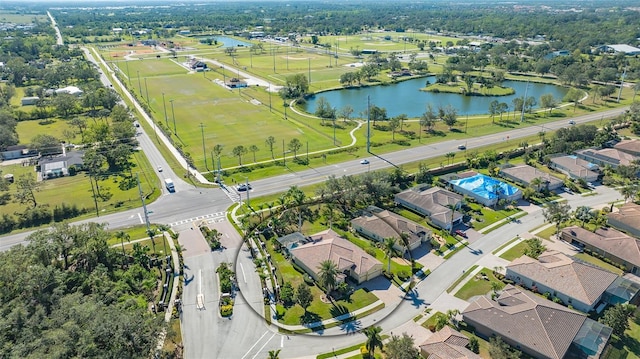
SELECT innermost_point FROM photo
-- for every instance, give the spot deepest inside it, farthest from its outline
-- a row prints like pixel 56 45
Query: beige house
pixel 378 224
pixel 536 326
pixel 575 167
pixel 575 283
pixel 524 174
pixel 606 156
pixel 351 260
pixel 627 218
pixel 631 147
pixel 447 343
pixel 438 204
pixel 608 242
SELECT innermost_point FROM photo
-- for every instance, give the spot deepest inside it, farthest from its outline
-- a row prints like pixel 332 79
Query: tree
pixel 377 114
pixel 296 86
pixel 274 354
pixel 270 142
pixel 450 116
pixel 304 296
pixel 287 294
pixel 401 347
pixel 65 104
pixel 428 118
pixel 374 340
pixel 294 146
pixel 389 250
pixel 573 95
pixel 324 109
pixel 346 112
pixel 45 144
pixel 534 248
pixel 498 349
pixel 394 124
pixel 617 317
pixel 239 151
pixel 26 187
pixel 583 214
pixel 557 213
pixel 441 321
pixel 474 344
pixel 254 149
pixel 123 236
pixel 493 109
pixel 328 275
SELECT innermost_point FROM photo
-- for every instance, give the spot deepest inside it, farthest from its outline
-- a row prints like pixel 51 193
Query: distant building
pixel 575 167
pixel 626 218
pixel 58 166
pixel 631 147
pixel 13 152
pixel 438 204
pixel 524 174
pixel 236 83
pixel 447 343
pixel 606 156
pixel 27 101
pixel 619 48
pixel 555 54
pixel 71 90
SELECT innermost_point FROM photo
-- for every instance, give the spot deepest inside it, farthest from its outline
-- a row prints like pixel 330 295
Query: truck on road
pixel 169 184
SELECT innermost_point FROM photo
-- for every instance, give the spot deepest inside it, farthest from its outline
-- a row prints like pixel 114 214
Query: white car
pixel 572 122
pixel 364 162
pixel 159 168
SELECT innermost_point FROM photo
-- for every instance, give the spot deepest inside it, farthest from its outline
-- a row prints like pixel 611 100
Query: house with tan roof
pixel 578 284
pixel 626 218
pixel 608 242
pixel 447 343
pixel 631 147
pixel 536 326
pixel 575 167
pixel 524 174
pixel 606 156
pixel 437 204
pixel 378 224
pixel 350 259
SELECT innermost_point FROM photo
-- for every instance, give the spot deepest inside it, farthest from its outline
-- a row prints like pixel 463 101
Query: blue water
pixel 229 42
pixel 406 97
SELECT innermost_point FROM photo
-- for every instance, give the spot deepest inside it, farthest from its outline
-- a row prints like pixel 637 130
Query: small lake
pixel 229 42
pixel 406 97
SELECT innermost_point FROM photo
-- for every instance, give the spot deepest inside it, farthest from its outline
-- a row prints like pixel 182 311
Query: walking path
pixel 174 289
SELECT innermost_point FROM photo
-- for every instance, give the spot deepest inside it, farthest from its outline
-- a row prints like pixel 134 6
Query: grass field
pixel 17 18
pixel 599 263
pixel 479 286
pixel 515 251
pixel 55 127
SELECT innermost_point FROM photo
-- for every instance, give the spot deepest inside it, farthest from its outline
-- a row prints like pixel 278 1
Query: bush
pixel 308 280
pixel 371 251
pixel 226 310
pixel 387 274
pixel 403 275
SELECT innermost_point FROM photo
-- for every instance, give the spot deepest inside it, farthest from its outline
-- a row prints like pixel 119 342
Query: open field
pixel 55 127
pixel 16 18
pixel 381 41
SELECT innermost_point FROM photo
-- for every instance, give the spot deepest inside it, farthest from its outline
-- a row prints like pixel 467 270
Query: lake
pixel 406 97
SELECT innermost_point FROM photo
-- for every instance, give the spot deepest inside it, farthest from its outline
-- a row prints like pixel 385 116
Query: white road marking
pixel 243 276
pixel 140 217
pixel 262 347
pixel 257 341
pixel 282 341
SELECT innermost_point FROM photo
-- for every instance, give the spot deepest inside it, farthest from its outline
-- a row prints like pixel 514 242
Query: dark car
pixel 462 147
pixel 244 187
pixel 461 233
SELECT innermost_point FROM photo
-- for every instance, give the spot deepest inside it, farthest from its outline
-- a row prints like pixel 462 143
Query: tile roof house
pixel 574 283
pixel 447 343
pixel 608 242
pixel 524 174
pixel 631 147
pixel 433 202
pixel 575 167
pixel 351 260
pixel 606 156
pixel 378 224
pixel 627 218
pixel 535 325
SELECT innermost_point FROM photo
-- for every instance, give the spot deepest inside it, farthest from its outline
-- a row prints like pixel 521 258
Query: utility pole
pixel 309 71
pixel 368 124
pixel 164 104
pixel 139 85
pixel 128 77
pixel 204 152
pixel 146 89
pixel 524 101
pixel 95 199
pixel 174 118
pixel 622 83
pixel 284 155
pixel 270 97
pixel 247 187
pixel 144 206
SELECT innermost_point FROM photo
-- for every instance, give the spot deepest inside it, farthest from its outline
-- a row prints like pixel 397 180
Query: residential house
pixel 235 83
pixel 631 147
pixel 485 190
pixel 626 218
pixel 13 152
pixel 524 174
pixel 606 156
pixel 351 260
pixel 438 204
pixel 575 283
pixel 291 241
pixel 536 326
pixel 71 90
pixel 609 243
pixel 447 343
pixel 28 101
pixel 575 167
pixel 58 166
pixel 379 224
pixel 619 48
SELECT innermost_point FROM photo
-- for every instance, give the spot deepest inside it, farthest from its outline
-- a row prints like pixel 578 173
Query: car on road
pixel 364 162
pixel 462 147
pixel 461 233
pixel 244 187
pixel 572 122
pixel 159 168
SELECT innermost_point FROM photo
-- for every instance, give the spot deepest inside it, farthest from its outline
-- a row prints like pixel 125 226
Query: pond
pixel 406 97
pixel 229 42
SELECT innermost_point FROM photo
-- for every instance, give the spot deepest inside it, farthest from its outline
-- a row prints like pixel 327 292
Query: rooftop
pixel 611 155
pixel 629 146
pixel 527 173
pixel 485 186
pixel 447 343
pixel 609 240
pixel 628 214
pixel 390 225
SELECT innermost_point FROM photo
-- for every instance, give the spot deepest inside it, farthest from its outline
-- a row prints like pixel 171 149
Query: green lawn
pixel 322 311
pixel 515 251
pixel 431 322
pixel 599 263
pixel 160 244
pixel 478 286
pixel 365 243
pixel 504 245
pixel 490 216
pixel 463 276
pixel 134 232
pixel 547 232
pixel 627 347
pixel 55 127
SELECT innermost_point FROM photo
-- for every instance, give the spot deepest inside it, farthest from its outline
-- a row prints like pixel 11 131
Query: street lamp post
pixel 174 118
pixel 146 89
pixel 204 152
pixel 139 85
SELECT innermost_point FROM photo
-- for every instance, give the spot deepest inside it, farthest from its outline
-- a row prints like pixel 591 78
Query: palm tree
pixel 373 339
pixel 328 275
pixel 536 183
pixel 122 236
pixel 389 250
pixel 274 354
pixel 163 228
